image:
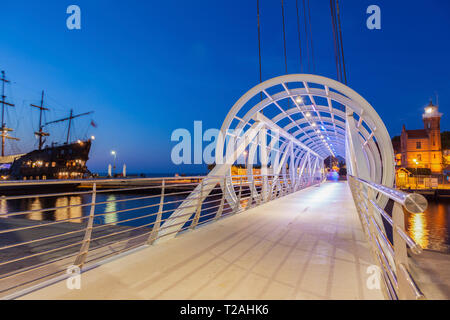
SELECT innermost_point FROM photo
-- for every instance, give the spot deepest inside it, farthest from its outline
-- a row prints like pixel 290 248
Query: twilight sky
pixel 149 67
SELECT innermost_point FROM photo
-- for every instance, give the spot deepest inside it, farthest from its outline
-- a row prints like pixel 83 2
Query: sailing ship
pixel 55 161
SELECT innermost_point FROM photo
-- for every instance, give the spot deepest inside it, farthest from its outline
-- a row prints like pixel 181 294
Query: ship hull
pixel 67 161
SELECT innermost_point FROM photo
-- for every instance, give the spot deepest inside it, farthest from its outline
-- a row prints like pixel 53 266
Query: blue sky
pixel 149 67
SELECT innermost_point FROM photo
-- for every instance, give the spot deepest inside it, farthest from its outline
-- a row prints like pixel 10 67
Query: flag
pixel 93 124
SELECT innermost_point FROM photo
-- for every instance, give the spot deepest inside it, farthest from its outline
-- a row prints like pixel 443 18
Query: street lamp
pixel 114 164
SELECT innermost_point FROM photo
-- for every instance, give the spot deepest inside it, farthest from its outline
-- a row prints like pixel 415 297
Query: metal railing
pixel 392 256
pixel 407 181
pixel 42 235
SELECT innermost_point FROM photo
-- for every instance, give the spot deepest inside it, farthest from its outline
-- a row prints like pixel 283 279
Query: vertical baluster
pixel 238 202
pixel 81 257
pixel 156 226
pixel 252 193
pixel 222 201
pixel 199 207
pixel 400 252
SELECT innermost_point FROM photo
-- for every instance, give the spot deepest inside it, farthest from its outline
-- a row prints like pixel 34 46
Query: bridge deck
pixel 307 245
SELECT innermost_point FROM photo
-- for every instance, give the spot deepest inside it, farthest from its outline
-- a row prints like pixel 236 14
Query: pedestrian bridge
pixel 311 248
pixel 279 231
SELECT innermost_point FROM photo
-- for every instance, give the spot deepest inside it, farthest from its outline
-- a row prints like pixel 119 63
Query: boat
pixel 55 161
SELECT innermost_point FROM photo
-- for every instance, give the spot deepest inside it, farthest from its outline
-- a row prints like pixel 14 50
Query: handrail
pixel 392 257
pixel 413 202
pixel 96 227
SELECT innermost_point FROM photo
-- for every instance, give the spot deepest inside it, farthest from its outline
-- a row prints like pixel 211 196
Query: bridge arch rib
pixel 287 126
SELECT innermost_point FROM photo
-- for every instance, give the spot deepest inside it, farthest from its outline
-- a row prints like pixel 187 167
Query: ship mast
pixel 4 129
pixel 70 118
pixel 41 133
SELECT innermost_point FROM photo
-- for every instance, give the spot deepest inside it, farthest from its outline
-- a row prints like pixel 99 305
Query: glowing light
pixel 92 137
pixel 308 114
pixel 313 124
pixel 418 229
pixel 299 99
pixel 428 110
pixel 113 153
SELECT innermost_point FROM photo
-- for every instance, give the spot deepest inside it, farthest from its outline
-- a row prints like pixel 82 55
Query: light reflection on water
pixel 35 205
pixel 3 207
pixel 110 210
pixel 69 207
pixel 418 229
pixel 431 229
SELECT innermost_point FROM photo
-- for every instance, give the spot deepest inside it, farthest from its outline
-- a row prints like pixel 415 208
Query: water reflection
pixel 418 229
pixel 431 229
pixel 112 208
pixel 3 207
pixel 35 205
pixel 76 211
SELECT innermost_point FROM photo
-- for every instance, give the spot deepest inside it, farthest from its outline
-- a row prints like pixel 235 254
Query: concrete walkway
pixel 307 245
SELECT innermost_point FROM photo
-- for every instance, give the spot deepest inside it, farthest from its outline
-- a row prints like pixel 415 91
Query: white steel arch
pixel 287 126
pixel 355 124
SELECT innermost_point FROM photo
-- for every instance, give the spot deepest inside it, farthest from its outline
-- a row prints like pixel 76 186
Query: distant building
pixel 422 148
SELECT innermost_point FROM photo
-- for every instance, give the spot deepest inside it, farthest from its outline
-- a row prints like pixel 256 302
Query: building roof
pixel 417 134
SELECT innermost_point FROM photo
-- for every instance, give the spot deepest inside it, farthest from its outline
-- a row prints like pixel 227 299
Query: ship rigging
pixel 57 161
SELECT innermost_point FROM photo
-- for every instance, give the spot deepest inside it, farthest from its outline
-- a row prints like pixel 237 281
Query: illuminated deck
pixel 307 245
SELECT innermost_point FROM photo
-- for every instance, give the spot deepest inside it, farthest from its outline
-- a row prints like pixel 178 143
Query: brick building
pixel 422 148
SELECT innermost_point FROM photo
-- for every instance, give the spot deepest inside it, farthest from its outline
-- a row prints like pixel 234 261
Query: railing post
pixel 81 257
pixel 259 196
pixel 238 202
pixel 401 255
pixel 155 230
pixel 252 193
pixel 199 207
pixel 222 201
pixel 281 186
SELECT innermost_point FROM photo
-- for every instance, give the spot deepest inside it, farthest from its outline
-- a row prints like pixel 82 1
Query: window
pixel 418 145
pixel 419 157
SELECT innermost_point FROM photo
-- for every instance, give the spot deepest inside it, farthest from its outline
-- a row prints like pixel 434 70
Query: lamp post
pixel 114 163
pixel 416 162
